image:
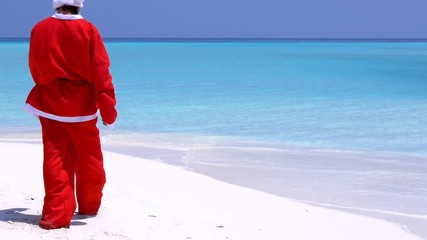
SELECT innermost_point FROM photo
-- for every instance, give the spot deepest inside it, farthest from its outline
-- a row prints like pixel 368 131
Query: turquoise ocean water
pixel 336 123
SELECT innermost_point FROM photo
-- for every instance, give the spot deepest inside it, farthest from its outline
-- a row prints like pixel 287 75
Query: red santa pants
pixel 72 162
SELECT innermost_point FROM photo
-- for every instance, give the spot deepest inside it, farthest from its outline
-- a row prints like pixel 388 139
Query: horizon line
pixel 166 39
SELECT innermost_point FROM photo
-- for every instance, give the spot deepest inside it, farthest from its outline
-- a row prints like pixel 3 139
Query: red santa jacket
pixel 70 67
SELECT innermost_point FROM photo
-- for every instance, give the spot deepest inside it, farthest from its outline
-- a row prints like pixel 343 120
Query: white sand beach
pixel 145 199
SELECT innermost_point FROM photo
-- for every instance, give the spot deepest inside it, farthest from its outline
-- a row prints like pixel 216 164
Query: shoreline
pixel 170 149
pixel 153 200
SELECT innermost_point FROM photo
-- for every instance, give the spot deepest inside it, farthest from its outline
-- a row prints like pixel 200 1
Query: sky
pixel 233 18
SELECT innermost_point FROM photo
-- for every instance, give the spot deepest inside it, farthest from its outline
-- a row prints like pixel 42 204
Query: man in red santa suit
pixel 70 67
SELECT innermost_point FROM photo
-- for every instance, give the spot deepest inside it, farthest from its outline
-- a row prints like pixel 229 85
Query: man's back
pixel 61 49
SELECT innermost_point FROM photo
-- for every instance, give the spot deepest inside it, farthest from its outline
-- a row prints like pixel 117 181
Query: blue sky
pixel 234 18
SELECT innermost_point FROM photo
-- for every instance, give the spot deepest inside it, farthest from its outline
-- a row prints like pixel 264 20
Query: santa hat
pixel 60 3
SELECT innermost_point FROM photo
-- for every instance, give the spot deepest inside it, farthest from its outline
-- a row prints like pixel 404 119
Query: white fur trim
pixel 34 111
pixel 67 16
pixel 60 3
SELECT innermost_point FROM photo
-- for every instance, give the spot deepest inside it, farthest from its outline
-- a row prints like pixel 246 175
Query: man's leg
pixel 58 174
pixel 90 174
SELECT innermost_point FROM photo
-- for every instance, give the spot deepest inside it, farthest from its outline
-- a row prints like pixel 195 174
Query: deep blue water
pixel 349 117
pixel 350 95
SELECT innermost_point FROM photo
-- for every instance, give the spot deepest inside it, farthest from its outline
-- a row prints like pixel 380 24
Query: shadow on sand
pixel 17 215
